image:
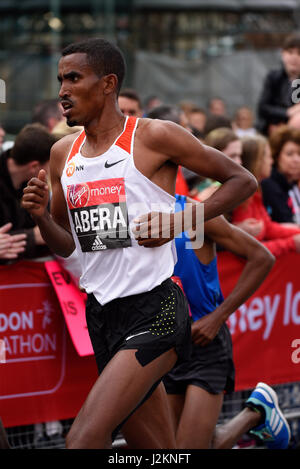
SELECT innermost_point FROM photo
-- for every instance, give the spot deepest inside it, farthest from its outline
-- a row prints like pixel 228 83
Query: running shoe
pixel 274 431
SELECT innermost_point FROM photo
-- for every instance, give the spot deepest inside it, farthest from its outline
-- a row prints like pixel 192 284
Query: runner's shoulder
pixel 60 151
pixel 156 132
pixel 63 145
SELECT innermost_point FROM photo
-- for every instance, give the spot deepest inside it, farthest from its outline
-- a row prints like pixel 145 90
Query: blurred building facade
pixel 186 49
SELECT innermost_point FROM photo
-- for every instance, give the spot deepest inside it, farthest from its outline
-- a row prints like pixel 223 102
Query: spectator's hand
pixel 36 195
pixel 11 245
pixel 297 242
pixel 251 226
pixel 205 329
pixel 37 236
pixel 293 110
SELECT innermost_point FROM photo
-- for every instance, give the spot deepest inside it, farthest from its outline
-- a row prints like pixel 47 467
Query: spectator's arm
pixel 265 108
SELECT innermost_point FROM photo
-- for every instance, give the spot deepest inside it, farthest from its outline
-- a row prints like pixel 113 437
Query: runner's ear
pixel 110 83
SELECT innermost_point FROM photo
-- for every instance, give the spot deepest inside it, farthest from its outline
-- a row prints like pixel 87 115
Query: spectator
pixel 130 103
pixel 186 106
pixel 216 122
pixel 217 107
pixel 197 119
pixel 279 239
pixel 150 103
pixel 29 154
pixel 285 146
pixel 275 105
pixel 243 123
pixel 48 113
pixel 294 121
pixel 223 139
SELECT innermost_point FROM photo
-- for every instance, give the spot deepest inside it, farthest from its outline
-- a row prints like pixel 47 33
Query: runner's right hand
pixel 36 195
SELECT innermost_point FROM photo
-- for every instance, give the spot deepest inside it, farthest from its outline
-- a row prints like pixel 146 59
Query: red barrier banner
pixel 266 329
pixel 72 302
pixel 42 378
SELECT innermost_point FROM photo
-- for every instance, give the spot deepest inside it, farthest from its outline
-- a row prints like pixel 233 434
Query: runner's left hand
pixel 205 329
pixel 154 229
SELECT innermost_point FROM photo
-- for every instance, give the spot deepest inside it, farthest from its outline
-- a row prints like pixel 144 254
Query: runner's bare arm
pixel 259 262
pixel 55 228
pixel 182 148
pixel 166 141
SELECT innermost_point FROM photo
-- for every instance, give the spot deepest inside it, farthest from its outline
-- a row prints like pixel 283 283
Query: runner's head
pixel 89 72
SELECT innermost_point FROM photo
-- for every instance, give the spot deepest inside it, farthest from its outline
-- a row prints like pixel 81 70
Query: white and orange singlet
pixel 104 195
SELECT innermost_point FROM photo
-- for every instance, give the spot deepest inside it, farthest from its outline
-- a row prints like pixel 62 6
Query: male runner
pixel 102 180
pixel 196 386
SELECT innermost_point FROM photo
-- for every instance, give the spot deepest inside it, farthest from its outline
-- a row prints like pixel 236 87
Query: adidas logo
pixel 98 245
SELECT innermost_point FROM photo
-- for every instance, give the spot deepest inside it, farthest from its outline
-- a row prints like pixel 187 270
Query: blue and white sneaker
pixel 274 431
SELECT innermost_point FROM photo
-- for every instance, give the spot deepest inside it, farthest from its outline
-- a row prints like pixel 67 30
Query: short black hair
pixel 103 56
pixel 46 109
pixel 165 112
pixel 33 143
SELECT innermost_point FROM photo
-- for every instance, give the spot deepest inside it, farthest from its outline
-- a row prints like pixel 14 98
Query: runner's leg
pixel 227 435
pixel 198 419
pixel 151 426
pixel 118 390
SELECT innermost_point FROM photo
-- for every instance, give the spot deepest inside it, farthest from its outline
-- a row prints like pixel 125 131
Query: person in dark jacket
pixel 30 153
pixel 278 102
pixel 277 197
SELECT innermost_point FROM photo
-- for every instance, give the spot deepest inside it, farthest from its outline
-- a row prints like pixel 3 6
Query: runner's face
pixel 81 90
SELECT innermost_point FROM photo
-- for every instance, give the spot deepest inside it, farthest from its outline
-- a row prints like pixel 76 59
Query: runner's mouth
pixel 67 106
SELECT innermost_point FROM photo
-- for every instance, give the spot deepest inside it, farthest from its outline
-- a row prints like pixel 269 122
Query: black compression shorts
pixel 151 322
pixel 210 367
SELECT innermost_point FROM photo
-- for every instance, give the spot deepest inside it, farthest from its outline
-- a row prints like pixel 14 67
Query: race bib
pixel 99 214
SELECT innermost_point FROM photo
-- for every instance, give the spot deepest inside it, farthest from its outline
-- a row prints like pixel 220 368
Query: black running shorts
pixel 210 367
pixel 151 322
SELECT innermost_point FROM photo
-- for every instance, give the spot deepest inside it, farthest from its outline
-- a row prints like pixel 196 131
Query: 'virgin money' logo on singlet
pixel 99 214
pixel 78 195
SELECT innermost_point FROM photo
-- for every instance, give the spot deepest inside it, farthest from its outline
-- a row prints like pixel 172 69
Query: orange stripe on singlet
pixel 124 141
pixel 76 145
